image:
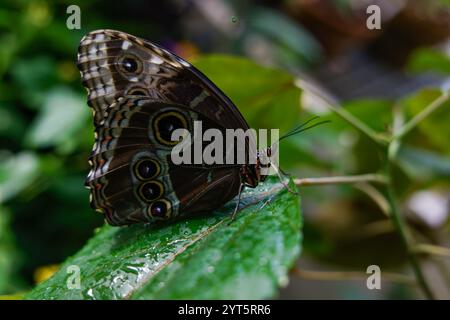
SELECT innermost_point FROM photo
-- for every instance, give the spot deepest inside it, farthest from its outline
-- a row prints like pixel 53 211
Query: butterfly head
pixel 255 173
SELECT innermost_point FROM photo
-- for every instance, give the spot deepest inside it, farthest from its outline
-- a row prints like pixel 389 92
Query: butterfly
pixel 140 93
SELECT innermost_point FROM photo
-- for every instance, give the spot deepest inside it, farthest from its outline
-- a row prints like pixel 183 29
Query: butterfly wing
pixel 114 64
pixel 130 83
pixel 133 178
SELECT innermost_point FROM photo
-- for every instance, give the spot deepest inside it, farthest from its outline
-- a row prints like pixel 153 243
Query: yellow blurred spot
pixel 45 272
pixel 67 71
pixel 38 13
pixel 187 50
pixel 17 296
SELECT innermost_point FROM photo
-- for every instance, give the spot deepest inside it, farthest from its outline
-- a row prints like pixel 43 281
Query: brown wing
pixel 133 178
pixel 114 64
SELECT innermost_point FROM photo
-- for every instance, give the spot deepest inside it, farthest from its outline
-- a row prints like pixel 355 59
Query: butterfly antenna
pixel 302 124
pixel 302 128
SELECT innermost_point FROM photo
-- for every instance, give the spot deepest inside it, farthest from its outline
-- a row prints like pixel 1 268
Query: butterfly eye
pixel 130 64
pixel 146 169
pixel 160 209
pixel 151 191
pixel 166 123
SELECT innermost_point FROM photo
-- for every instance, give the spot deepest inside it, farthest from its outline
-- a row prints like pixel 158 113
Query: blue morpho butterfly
pixel 140 93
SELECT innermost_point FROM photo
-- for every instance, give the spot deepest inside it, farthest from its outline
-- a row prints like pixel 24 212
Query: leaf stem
pixel 376 228
pixel 377 178
pixel 375 195
pixel 398 132
pixel 344 114
pixel 391 146
pixel 349 275
pixel 432 249
pixel 402 231
pixel 432 107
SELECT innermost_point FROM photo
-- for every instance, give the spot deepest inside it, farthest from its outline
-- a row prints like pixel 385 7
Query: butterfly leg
pixel 277 170
pixel 266 202
pixel 233 216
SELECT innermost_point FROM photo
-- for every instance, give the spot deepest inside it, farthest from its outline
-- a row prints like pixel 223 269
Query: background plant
pixel 367 219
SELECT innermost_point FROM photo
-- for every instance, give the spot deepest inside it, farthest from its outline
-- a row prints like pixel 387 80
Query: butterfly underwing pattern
pixel 140 93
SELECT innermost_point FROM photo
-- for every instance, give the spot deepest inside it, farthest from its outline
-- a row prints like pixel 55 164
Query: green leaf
pixel 17 172
pixel 63 116
pixel 376 113
pixel 12 123
pixel 9 256
pixel 432 132
pixel 426 60
pixel 268 98
pixel 197 258
pixel 324 147
pixel 422 164
pixel 36 74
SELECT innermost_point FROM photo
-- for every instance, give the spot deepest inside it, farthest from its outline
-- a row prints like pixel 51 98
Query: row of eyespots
pixel 146 170
pixel 151 190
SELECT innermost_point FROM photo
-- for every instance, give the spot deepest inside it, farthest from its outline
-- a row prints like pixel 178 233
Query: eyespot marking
pixel 137 91
pixel 151 191
pixel 146 169
pixel 130 64
pixel 165 124
pixel 161 209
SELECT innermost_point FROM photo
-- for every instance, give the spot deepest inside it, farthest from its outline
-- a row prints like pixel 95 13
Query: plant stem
pixel 432 249
pixel 402 231
pixel 378 178
pixel 432 107
pixel 375 229
pixel 344 114
pixel 392 146
pixel 349 275
pixel 375 195
pixel 399 130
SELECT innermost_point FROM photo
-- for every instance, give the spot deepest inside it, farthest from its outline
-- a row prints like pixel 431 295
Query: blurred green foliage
pixel 46 134
pixel 427 60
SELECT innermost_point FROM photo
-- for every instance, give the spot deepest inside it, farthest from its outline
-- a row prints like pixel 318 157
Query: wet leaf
pixel 198 258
